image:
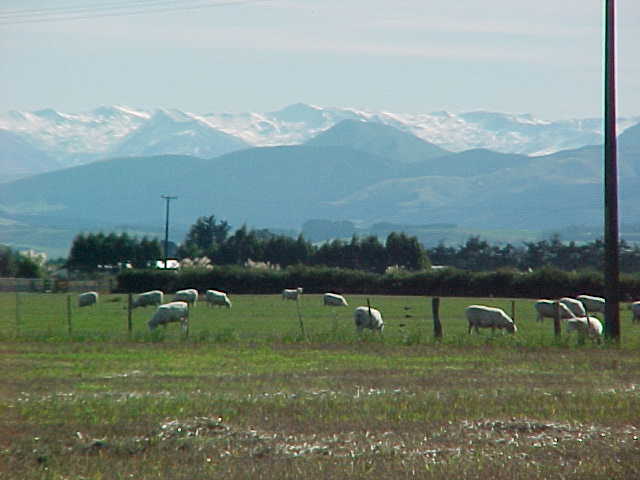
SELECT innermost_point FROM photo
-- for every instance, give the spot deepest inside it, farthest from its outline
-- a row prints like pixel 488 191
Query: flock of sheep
pixel 575 311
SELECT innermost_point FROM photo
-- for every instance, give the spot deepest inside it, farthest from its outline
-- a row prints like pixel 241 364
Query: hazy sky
pixel 542 57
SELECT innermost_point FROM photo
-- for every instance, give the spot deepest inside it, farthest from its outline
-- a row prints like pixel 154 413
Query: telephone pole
pixel 611 233
pixel 168 199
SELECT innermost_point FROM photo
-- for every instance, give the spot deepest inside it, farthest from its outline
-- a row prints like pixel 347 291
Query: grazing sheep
pixel 547 308
pixel 87 298
pixel 635 311
pixel 169 313
pixel 576 306
pixel 189 295
pixel 366 317
pixel 215 297
pixel 590 326
pixel 334 300
pixel 592 304
pixel 480 316
pixel 152 297
pixel 291 293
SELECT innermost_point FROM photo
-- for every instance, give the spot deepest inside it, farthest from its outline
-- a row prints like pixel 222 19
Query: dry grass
pixel 104 410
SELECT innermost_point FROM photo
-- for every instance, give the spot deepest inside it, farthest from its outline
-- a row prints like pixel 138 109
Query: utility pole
pixel 168 198
pixel 611 240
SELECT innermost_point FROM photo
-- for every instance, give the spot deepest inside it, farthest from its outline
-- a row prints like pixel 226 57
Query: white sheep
pixel 189 295
pixel 591 303
pixel 334 300
pixel 547 308
pixel 367 317
pixel 576 306
pixel 87 298
pixel 152 297
pixel 590 326
pixel 291 293
pixel 169 313
pixel 215 297
pixel 480 316
pixel 635 311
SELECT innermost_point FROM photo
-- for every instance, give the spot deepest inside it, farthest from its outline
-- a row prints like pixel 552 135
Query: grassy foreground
pixel 244 397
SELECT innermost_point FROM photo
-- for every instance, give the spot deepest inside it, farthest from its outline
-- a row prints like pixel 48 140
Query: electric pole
pixel 611 233
pixel 168 198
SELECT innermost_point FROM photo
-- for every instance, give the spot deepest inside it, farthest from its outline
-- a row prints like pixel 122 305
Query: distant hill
pixel 378 139
pixel 285 186
pixel 19 157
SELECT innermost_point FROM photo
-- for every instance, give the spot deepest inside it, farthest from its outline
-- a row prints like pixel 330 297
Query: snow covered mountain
pixel 76 138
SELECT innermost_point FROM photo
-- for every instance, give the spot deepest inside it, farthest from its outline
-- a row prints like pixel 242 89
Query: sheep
pixel 592 304
pixel 635 311
pixel 291 293
pixel 480 316
pixel 170 312
pixel 334 300
pixel 574 305
pixel 189 295
pixel 590 326
pixel 87 298
pixel 215 297
pixel 547 308
pixel 152 297
pixel 367 317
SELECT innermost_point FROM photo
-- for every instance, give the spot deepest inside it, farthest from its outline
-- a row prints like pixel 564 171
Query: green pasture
pixel 246 395
pixel 260 318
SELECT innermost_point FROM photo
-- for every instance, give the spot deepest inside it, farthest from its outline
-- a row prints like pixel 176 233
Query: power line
pixel 139 7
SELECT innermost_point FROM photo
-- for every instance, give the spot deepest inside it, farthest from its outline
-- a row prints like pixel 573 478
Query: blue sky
pixel 542 57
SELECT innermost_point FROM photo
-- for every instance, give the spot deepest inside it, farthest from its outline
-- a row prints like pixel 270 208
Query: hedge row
pixel 543 283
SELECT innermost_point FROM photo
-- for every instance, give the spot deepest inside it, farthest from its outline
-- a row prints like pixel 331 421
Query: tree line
pixel 97 251
pixel 14 264
pixel 210 238
pixel 478 255
pixel 213 239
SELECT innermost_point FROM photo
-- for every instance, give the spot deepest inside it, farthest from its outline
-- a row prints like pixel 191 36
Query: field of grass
pixel 245 396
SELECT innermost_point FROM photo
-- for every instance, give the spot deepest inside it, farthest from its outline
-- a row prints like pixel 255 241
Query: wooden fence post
pixel 304 335
pixel 17 311
pixel 556 320
pixel 129 310
pixel 437 325
pixel 69 313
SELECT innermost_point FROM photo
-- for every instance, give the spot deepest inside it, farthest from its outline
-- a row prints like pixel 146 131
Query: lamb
pixel 367 317
pixel 547 308
pixel 152 297
pixel 576 306
pixel 291 293
pixel 189 295
pixel 169 313
pixel 334 300
pixel 635 311
pixel 590 326
pixel 87 298
pixel 480 316
pixel 215 297
pixel 592 304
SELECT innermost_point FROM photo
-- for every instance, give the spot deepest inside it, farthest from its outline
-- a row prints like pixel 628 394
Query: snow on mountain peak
pixel 99 132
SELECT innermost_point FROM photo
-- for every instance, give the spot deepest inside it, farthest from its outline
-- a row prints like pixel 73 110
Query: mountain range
pixel 365 172
pixel 45 140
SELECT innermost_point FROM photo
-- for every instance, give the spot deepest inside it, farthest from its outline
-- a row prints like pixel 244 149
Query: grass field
pixel 245 396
